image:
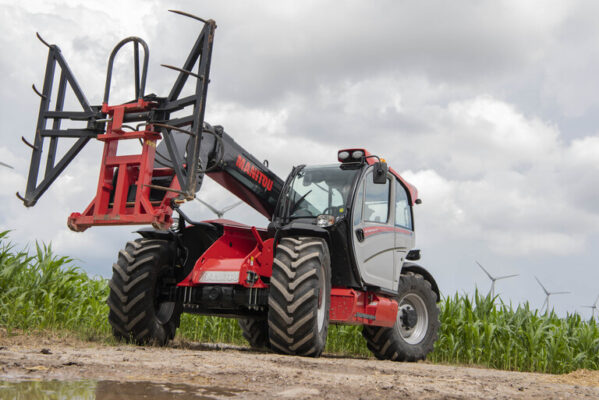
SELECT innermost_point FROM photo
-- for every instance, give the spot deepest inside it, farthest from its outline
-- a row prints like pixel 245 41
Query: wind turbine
pixel 219 213
pixel 593 307
pixel 6 165
pixel 547 293
pixel 494 278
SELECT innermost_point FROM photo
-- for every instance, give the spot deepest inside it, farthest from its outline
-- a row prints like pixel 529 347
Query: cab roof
pixel 371 159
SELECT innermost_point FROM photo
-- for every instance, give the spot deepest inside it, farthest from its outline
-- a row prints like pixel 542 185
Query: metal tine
pixel 38 92
pixel 20 197
pixel 182 70
pixel 189 15
pixel 6 165
pixel 29 144
pixel 43 41
pixel 174 128
pixel 165 189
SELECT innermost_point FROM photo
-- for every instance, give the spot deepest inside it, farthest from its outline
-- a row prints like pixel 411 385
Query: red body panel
pixel 240 249
pixel 353 307
pixel 374 230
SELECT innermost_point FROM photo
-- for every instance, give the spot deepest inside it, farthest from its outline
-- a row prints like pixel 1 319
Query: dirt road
pixel 236 372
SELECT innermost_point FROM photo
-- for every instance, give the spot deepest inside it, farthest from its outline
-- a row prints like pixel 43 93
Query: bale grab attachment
pixel 132 189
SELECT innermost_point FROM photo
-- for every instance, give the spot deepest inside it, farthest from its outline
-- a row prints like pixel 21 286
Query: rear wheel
pixel 416 327
pixel 300 296
pixel 137 312
pixel 255 332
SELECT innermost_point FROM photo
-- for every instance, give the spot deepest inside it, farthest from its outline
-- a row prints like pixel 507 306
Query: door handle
pixel 360 234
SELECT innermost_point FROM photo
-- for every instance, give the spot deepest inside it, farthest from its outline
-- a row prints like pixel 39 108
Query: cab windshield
pixel 319 190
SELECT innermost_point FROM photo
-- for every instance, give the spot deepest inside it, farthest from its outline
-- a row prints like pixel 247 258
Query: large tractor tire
pixel 300 297
pixel 136 313
pixel 255 332
pixel 415 331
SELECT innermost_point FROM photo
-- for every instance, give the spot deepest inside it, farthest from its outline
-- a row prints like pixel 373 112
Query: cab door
pixel 373 235
pixel 404 229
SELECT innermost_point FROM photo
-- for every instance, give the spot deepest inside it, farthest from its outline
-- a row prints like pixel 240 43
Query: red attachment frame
pixel 119 173
pixel 353 307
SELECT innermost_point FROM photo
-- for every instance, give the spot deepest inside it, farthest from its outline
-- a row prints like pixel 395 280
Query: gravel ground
pixel 225 371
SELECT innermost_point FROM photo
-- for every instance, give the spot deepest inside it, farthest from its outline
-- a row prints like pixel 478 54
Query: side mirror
pixel 379 175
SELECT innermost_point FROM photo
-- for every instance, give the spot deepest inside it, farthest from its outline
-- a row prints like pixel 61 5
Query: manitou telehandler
pixel 339 247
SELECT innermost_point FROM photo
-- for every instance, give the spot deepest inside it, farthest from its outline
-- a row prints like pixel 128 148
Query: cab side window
pixel 376 201
pixel 358 205
pixel 403 213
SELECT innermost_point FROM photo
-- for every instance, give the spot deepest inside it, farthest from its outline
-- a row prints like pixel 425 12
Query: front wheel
pixel 300 297
pixel 416 327
pixel 138 311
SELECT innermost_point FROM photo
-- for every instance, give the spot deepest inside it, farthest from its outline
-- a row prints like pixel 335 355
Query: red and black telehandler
pixel 339 247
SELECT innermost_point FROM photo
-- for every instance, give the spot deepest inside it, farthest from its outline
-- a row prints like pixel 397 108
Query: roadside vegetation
pixel 41 292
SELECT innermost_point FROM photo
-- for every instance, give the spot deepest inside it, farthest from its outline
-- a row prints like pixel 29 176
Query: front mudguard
pixel 296 228
pixel 151 233
pixel 417 269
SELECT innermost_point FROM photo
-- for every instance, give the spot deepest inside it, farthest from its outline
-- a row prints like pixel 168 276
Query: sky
pixel 490 108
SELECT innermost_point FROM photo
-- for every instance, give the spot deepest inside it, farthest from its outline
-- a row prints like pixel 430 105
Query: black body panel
pixel 344 271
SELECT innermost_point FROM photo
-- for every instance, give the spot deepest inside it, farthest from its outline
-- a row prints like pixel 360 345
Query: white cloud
pixel 514 202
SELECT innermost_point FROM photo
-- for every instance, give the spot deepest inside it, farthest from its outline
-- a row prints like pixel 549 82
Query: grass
pixel 40 291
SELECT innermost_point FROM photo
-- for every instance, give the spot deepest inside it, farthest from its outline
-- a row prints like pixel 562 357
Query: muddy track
pixel 255 375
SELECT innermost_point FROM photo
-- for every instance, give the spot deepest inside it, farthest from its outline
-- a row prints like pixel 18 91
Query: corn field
pixel 43 292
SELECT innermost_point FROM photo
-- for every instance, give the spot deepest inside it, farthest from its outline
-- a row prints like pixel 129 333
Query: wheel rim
pixel 320 312
pixel 412 303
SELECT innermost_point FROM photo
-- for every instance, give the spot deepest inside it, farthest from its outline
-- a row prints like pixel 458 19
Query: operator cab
pixel 363 210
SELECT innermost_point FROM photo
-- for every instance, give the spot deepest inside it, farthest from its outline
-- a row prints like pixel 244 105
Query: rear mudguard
pixel 417 269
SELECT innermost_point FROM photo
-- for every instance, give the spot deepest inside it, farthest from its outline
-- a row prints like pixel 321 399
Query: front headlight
pixel 324 220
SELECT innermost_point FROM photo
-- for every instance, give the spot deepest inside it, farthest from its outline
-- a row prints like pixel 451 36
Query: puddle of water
pixel 109 390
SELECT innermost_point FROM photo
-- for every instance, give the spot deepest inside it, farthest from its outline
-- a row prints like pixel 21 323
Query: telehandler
pixel 339 246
